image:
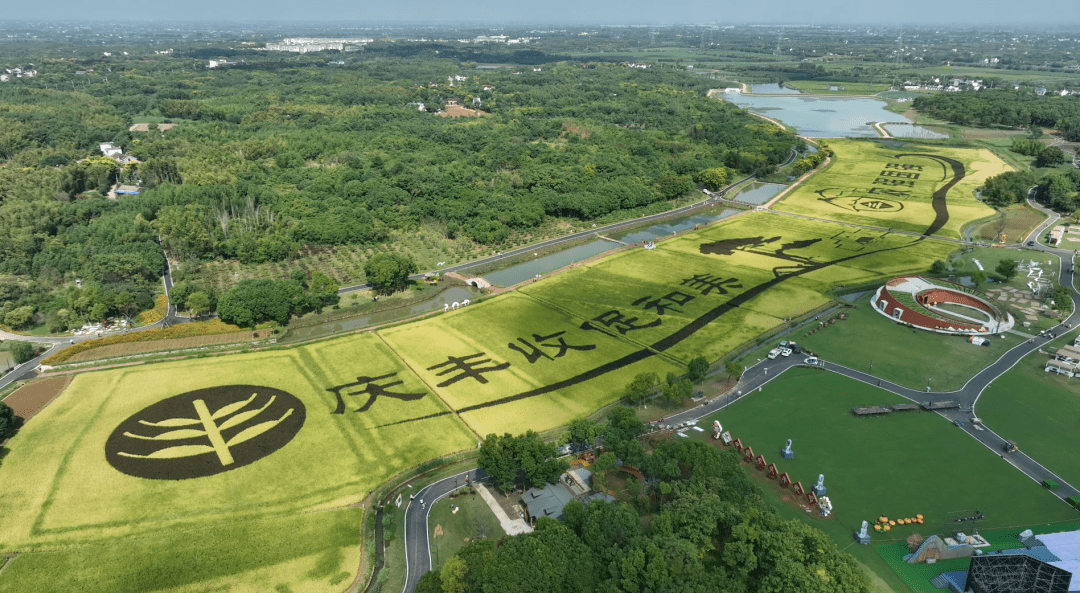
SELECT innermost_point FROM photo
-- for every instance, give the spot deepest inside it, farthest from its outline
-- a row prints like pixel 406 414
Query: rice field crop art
pixel 515 348
pixel 227 445
pixel 903 186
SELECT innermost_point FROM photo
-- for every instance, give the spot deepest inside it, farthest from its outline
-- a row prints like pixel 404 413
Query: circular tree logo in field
pixel 205 432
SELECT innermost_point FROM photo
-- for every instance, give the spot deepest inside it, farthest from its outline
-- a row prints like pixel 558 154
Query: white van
pixel 774 353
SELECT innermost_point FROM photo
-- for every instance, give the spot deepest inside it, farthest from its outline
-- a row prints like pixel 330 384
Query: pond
pixel 549 263
pixel 820 117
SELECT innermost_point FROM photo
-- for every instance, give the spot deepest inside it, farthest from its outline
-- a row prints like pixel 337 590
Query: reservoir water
pixel 820 117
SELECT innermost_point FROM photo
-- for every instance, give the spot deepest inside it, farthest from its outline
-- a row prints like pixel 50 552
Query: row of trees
pixel 1008 108
pixel 524 460
pixel 257 301
pixel 267 160
pixel 711 531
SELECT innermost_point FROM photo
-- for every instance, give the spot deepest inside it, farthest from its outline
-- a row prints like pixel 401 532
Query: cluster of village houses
pixel 17 72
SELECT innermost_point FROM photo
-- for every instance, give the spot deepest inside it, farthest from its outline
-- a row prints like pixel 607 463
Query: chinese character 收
pixel 534 352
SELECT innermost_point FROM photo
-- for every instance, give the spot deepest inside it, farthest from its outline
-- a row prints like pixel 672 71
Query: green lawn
pixel 899 353
pixel 1038 410
pixel 990 257
pixel 898 465
pixel 473 520
pixel 871 184
pixel 819 87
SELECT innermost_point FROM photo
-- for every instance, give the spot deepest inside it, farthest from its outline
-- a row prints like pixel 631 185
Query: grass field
pixel 67 495
pixel 820 87
pixel 1038 410
pixel 901 354
pixel 898 465
pixel 474 520
pixel 1014 224
pixel 872 184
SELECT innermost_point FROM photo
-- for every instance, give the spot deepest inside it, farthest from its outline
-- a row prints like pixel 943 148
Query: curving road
pixel 417 553
pixel 28 369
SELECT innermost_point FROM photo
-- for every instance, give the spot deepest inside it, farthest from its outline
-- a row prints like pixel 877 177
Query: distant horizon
pixel 565 13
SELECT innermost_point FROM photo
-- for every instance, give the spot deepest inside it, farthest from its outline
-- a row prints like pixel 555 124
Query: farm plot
pixel 910 188
pixel 516 350
pixel 147 347
pixel 245 439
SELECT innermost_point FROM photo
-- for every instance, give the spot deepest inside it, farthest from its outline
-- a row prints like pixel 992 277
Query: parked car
pixel 811 360
pixel 784 343
pixel 785 352
pixel 774 353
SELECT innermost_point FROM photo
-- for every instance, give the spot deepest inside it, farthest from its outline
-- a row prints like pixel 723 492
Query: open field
pixel 907 449
pixel 901 354
pixel 1015 222
pixel 32 398
pixel 68 493
pixel 820 87
pixel 898 465
pixel 1038 410
pixel 910 188
pixel 473 521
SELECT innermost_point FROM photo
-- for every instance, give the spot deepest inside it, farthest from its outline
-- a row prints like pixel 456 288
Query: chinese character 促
pixel 662 304
pixel 534 352
pixel 620 323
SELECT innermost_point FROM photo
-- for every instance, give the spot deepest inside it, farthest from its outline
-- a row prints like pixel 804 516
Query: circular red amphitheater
pixel 940 306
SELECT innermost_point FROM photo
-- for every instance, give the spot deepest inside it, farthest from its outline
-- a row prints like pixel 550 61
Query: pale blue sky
pixel 879 12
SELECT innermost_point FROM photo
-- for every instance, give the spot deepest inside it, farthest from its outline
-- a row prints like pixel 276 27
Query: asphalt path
pixel 417 553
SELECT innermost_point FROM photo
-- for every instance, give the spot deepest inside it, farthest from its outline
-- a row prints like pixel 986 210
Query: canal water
pixel 549 263
pixel 758 192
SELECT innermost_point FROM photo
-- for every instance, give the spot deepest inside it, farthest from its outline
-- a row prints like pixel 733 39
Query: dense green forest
pixel 700 527
pixel 276 154
pixel 1008 108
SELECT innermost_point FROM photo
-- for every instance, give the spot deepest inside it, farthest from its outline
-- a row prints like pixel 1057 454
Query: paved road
pixel 967 396
pixel 28 369
pixel 417 554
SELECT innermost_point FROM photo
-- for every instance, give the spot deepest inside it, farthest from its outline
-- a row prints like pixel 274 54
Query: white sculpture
pixel 862 532
pixel 455 305
pixel 820 478
pixel 446 307
pixel 465 302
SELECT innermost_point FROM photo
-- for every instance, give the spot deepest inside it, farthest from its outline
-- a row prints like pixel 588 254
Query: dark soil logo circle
pixel 205 432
